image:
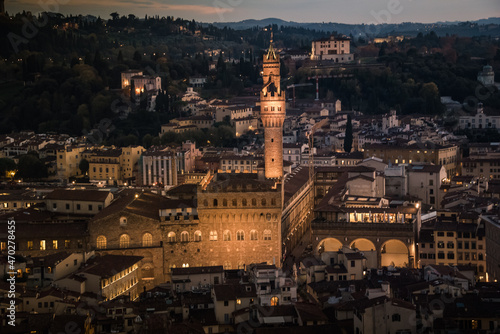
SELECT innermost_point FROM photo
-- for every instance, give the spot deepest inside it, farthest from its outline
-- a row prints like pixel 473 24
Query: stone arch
pixel 394 252
pixel 147 271
pixel 329 245
pixel 363 244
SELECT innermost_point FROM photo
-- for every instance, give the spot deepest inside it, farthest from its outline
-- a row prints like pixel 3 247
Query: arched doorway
pixel 394 253
pixel 329 245
pixel 363 245
pixel 368 249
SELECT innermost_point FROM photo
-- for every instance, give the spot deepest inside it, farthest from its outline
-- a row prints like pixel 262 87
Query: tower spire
pixel 271 54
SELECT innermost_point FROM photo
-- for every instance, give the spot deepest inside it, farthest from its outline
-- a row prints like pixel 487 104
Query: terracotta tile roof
pixel 294 181
pixel 146 205
pixel 225 292
pixel 310 312
pixel 109 265
pixel 78 195
pixel 50 260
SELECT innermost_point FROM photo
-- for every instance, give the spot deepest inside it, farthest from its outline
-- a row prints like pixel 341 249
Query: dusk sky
pixel 341 11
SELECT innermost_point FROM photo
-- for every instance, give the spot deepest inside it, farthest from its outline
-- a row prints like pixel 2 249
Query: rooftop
pixel 109 265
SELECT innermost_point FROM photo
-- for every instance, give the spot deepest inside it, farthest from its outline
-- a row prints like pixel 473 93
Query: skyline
pixel 356 12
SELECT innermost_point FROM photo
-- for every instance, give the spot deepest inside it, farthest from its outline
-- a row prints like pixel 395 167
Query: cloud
pixel 154 5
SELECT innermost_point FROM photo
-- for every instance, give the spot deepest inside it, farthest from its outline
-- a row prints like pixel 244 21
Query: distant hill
pixel 490 26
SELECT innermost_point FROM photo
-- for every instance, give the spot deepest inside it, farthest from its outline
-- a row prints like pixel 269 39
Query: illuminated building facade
pixel 272 112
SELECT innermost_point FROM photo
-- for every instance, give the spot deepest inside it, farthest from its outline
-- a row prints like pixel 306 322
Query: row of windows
pixel 78 206
pixel 244 202
pixel 147 241
pixel 430 256
pixel 226 236
pixel 464 235
pixel 14 205
pixel 460 245
pixel 43 245
pixel 272 108
pixel 100 170
pixel 235 162
pixel 461 256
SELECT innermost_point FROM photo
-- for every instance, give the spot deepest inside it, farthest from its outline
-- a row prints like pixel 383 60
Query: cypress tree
pixel 348 135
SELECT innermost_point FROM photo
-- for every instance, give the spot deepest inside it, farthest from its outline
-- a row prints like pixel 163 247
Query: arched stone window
pixel 268 217
pixel 197 236
pixel 263 202
pixel 171 236
pixel 240 235
pixel 147 240
pixel 224 202
pixel 216 203
pixel 273 201
pixel 227 235
pixel 244 202
pixel 184 236
pixel 253 235
pixel 275 301
pixel 205 203
pixel 235 202
pixel 124 241
pixel 254 202
pixel 101 242
pixel 227 265
pixel 241 265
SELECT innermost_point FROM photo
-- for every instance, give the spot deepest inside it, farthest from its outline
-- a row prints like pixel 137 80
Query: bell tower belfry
pixel 272 112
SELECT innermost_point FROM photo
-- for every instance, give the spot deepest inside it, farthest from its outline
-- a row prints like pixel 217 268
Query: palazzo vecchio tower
pixel 272 112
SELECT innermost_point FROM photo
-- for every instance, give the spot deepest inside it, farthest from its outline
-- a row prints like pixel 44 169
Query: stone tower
pixel 272 112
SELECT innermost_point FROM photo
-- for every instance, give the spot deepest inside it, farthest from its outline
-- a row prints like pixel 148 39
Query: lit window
pixel 147 240
pixel 238 301
pixel 42 245
pixel 197 236
pixel 101 242
pixel 267 235
pixel 213 235
pixel 184 236
pixel 124 241
pixel 171 236
pixel 54 244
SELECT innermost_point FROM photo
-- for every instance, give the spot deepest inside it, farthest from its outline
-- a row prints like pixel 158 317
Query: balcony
pixel 325 225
